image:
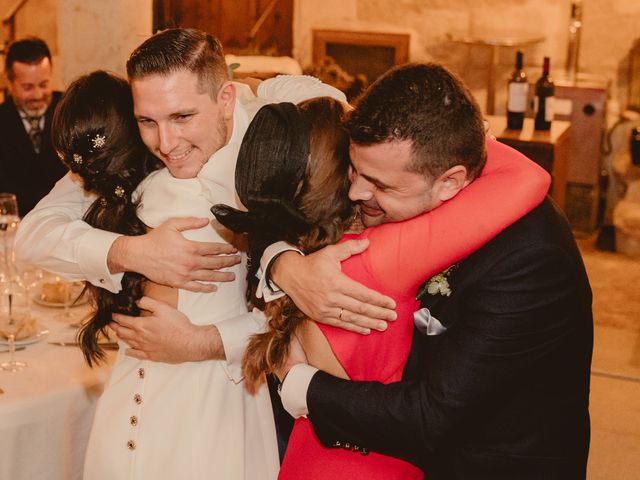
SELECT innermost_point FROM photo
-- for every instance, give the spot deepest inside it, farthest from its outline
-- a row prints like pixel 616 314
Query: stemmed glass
pixel 9 220
pixel 12 365
pixel 9 327
pixel 69 297
pixel 29 277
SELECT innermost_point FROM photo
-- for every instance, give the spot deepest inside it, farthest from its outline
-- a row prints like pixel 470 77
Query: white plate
pixel 42 333
pixel 37 299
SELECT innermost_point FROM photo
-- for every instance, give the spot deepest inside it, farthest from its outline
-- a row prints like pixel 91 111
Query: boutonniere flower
pixel 438 284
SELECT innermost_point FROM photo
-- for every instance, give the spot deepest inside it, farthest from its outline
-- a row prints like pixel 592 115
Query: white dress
pixel 191 420
pixel 158 421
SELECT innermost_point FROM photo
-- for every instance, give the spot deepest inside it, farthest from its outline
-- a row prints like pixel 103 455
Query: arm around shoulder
pixel 53 236
pixel 523 315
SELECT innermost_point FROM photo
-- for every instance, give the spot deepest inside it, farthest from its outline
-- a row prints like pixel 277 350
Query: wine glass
pixel 9 327
pixel 9 220
pixel 12 365
pixel 7 279
pixel 29 277
pixel 69 296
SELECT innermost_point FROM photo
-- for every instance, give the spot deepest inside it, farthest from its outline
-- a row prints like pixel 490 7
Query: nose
pixel 167 139
pixel 360 189
pixel 37 94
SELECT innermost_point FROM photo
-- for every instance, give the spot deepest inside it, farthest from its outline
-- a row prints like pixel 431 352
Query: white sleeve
pixel 296 88
pixel 235 333
pixel 266 288
pixel 54 237
pixel 293 391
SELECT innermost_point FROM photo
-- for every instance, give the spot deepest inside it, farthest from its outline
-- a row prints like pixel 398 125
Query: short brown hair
pixel 429 106
pixel 177 49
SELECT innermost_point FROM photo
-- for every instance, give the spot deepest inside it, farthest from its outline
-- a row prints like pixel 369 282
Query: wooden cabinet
pixel 549 149
pixel 233 22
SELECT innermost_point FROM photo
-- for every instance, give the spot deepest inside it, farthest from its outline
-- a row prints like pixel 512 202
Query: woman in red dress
pixel 292 176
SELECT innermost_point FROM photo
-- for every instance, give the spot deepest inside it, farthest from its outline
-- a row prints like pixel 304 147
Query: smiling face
pixel 30 86
pixel 180 122
pixel 384 187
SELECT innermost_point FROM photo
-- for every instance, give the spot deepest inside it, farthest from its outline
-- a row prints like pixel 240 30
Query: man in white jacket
pixel 185 126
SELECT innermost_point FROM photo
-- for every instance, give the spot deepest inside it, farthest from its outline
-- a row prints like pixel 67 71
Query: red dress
pixel 399 259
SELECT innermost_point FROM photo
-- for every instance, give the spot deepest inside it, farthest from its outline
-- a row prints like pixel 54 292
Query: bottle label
pixel 517 100
pixel 549 109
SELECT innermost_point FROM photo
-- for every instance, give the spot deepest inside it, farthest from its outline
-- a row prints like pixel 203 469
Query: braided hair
pixel 96 137
pixel 291 175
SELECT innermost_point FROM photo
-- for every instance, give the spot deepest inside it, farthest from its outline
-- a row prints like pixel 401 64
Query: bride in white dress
pixel 155 420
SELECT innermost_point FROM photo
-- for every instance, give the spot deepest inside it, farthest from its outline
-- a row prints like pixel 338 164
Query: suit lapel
pixel 16 131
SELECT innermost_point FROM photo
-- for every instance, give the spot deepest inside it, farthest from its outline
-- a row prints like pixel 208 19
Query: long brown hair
pixel 96 136
pixel 322 198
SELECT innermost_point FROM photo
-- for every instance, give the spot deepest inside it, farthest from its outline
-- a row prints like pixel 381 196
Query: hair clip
pixel 119 191
pixel 99 141
pixel 77 159
pixel 60 155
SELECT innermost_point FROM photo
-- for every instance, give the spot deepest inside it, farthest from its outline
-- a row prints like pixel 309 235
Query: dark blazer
pixel 503 393
pixel 28 174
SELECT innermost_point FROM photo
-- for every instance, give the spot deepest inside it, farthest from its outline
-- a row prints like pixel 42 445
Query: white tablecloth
pixel 47 408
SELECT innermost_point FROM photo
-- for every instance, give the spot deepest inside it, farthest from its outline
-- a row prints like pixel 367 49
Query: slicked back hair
pixel 176 49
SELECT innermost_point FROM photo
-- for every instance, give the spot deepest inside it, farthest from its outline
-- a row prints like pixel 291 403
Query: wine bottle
pixel 517 95
pixel 544 98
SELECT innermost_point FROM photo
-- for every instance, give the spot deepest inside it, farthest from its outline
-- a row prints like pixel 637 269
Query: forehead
pixel 381 158
pixel 156 96
pixel 32 72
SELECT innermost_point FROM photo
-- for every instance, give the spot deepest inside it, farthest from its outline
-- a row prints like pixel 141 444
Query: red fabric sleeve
pixel 412 251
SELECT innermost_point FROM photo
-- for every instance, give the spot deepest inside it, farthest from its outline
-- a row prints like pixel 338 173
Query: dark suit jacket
pixel 503 392
pixel 28 174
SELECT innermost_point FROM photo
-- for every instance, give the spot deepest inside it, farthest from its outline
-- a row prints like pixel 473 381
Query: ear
pixel 8 83
pixel 449 184
pixel 226 98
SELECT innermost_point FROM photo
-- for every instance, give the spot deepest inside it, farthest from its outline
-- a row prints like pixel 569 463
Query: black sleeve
pixel 514 318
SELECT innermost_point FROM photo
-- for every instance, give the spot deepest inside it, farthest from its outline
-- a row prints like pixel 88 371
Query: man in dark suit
pixel 29 167
pixel 497 385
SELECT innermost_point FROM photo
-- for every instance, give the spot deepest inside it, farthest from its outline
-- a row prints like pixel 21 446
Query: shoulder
pixel 55 97
pixel 545 224
pixel 9 121
pixel 155 177
pixel 7 108
pixel 296 88
pixel 540 244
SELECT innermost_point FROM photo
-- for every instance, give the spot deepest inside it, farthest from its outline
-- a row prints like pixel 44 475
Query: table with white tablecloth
pixel 47 409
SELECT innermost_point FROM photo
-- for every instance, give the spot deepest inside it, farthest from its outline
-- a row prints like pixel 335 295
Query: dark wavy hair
pixel 96 136
pixel 292 177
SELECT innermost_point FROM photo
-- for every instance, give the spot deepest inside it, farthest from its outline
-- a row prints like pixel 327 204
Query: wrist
pixel 116 257
pixel 208 343
pixel 276 272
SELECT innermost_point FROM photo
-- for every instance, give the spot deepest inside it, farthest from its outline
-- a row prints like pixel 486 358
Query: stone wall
pixel 84 35
pixel 87 34
pixel 609 30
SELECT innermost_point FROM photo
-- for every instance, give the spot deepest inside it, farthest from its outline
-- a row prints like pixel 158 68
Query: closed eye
pixel 183 117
